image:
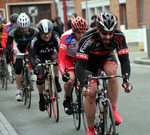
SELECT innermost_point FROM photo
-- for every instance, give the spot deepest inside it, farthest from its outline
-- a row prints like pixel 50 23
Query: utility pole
pixel 65 14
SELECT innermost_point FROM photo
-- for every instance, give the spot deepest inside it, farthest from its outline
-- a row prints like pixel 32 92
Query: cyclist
pixel 44 46
pixel 22 35
pixel 2 25
pixel 69 43
pixel 96 51
pixel 7 28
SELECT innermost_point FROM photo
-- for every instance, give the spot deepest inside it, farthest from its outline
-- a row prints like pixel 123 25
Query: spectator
pixel 69 20
pixel 58 26
pixel 93 23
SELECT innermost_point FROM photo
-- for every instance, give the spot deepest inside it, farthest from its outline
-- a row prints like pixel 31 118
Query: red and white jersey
pixel 6 30
pixel 67 49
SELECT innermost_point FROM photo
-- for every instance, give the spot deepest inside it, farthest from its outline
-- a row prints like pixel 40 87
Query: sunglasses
pixel 105 33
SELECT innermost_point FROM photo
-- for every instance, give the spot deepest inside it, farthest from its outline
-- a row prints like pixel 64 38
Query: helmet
pixel 45 26
pixel 13 17
pixel 107 21
pixel 79 24
pixel 23 20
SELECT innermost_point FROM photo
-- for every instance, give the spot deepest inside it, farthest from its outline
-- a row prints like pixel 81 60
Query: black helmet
pixel 13 17
pixel 106 21
pixel 45 26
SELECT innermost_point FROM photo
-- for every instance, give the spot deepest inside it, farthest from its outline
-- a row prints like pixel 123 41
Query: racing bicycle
pixel 104 122
pixel 50 90
pixel 77 103
pixel 27 82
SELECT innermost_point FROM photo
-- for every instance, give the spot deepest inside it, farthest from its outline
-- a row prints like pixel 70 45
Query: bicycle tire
pixel 109 122
pixel 29 87
pixel 12 78
pixel 83 115
pixel 47 98
pixel 54 99
pixel 2 81
pixel 98 121
pixel 5 76
pixel 76 105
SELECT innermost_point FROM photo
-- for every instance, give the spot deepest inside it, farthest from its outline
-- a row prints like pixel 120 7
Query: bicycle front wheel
pixel 109 122
pixel 28 89
pixel 76 105
pixel 83 114
pixel 12 74
pixel 54 99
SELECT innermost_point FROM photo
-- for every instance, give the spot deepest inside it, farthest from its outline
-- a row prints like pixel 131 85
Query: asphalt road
pixel 134 109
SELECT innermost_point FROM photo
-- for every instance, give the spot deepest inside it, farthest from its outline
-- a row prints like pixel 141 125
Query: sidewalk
pixel 137 56
pixel 5 127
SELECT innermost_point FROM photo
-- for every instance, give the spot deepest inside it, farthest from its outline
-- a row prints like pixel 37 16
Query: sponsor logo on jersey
pixel 8 28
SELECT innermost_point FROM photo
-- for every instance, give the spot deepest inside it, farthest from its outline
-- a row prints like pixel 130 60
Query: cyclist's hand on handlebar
pixel 128 87
pixel 65 77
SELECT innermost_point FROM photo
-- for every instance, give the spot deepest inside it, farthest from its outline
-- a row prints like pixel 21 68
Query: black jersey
pixel 42 48
pixel 21 39
pixel 90 44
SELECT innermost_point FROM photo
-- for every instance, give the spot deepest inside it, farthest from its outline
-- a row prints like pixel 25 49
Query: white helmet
pixel 23 20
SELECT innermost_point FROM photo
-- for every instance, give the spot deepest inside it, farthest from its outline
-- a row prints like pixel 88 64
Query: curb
pixel 142 61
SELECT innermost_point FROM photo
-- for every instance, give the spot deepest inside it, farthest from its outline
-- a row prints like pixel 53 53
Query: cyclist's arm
pixel 123 55
pixel 62 55
pixel 81 62
pixel 10 40
pixel 32 52
pixel 4 37
pixel 57 40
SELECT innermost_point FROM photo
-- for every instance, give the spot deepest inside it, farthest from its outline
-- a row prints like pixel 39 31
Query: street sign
pixel 33 11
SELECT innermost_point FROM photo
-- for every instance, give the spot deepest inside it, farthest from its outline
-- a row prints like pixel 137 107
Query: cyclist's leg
pixel 68 87
pixel 18 76
pixel 40 83
pixel 54 58
pixel 110 67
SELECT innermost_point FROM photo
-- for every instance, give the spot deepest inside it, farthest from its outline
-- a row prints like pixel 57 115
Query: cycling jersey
pixel 67 50
pixel 91 47
pixel 6 30
pixel 21 39
pixel 42 48
pixel 1 31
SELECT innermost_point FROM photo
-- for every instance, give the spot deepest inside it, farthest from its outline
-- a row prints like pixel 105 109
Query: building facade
pixel 132 14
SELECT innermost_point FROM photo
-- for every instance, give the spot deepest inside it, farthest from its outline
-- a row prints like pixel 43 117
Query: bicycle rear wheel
pixel 76 105
pixel 54 99
pixel 109 122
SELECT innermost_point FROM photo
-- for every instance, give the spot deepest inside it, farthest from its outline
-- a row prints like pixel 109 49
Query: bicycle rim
pixel 76 108
pixel 109 122
pixel 54 99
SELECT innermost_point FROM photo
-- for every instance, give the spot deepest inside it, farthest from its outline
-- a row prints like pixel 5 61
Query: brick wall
pixel 147 13
pixel 132 16
pixel 114 8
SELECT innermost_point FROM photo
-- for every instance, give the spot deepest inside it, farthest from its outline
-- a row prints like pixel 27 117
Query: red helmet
pixel 79 24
